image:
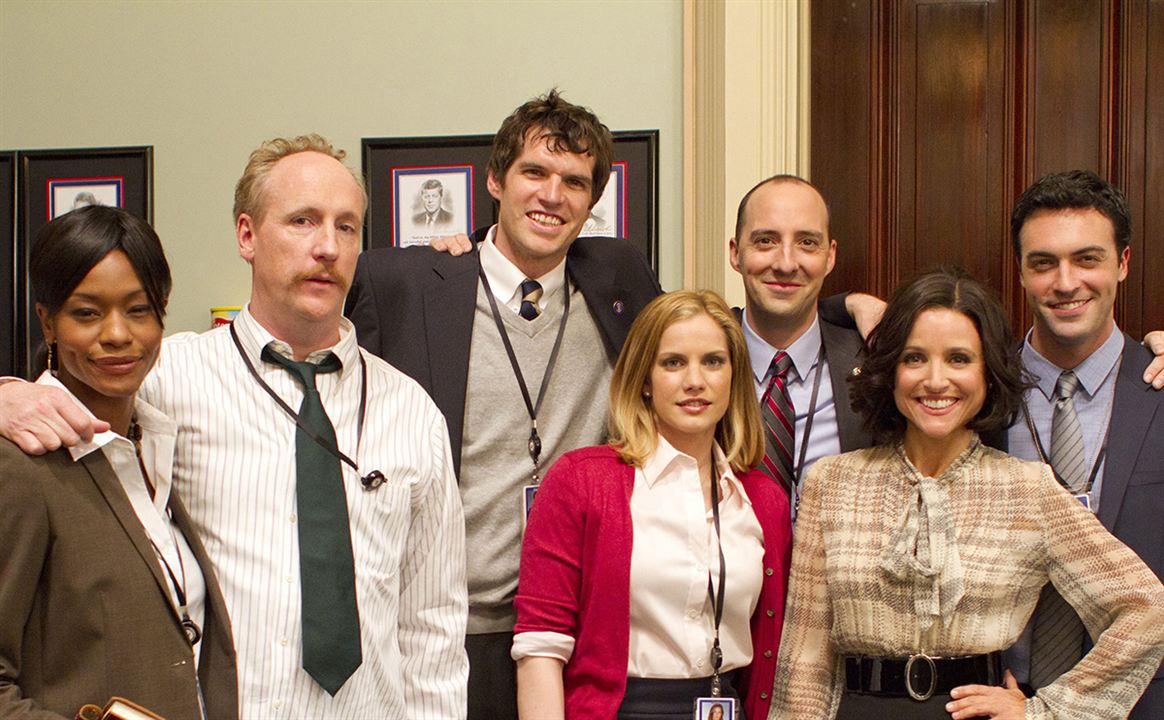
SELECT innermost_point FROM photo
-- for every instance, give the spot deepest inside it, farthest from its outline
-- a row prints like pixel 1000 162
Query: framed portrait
pixel 8 262
pixel 405 206
pixel 51 183
pixel 431 201
pixel 425 187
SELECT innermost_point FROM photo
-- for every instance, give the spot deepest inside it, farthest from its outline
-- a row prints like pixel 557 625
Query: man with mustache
pixel 336 527
pixel 531 306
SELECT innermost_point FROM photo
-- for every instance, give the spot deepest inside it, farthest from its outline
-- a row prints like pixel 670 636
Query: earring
pixel 647 394
pixel 52 346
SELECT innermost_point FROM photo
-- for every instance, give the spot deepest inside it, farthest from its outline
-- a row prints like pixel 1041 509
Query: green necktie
pixel 327 577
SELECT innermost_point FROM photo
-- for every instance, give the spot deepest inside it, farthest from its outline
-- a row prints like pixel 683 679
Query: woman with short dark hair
pixel 918 561
pixel 105 589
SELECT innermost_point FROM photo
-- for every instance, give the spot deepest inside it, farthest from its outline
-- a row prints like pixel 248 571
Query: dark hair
pixel 66 249
pixel 565 126
pixel 954 289
pixel 1073 190
pixel 775 179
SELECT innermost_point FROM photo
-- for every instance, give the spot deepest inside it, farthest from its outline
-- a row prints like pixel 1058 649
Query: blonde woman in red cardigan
pixel 621 563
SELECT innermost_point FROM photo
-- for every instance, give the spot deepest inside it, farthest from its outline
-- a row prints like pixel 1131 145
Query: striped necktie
pixel 779 423
pixel 1057 636
pixel 531 293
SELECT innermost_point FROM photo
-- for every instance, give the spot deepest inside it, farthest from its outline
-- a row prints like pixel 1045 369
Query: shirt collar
pixel 666 458
pixel 254 337
pixel 150 418
pixel 804 351
pixel 505 279
pixel 1091 372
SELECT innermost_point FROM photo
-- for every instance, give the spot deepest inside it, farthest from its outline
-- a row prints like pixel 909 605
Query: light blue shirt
pixel 825 437
pixel 1093 403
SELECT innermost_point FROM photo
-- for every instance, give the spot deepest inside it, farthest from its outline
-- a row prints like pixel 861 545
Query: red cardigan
pixel 575 578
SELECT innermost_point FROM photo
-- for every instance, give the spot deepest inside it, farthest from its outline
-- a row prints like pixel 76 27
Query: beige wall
pixel 205 82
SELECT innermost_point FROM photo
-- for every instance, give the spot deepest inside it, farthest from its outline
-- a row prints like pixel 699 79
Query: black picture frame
pixel 45 181
pixel 8 262
pixel 385 160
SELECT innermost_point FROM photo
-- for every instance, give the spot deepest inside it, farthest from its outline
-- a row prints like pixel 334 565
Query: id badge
pixel 527 498
pixel 715 708
pixel 1085 499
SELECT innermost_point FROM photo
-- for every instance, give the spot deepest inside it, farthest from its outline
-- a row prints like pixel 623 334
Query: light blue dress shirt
pixel 824 438
pixel 1093 402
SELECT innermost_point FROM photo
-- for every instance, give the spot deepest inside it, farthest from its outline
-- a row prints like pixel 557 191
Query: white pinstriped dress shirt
pixel 235 469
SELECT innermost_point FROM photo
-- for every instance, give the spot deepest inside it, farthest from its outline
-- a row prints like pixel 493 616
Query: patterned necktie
pixel 327 576
pixel 1066 435
pixel 531 293
pixel 1057 636
pixel 779 423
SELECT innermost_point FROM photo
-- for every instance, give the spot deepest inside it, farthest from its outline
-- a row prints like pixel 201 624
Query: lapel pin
pixel 618 307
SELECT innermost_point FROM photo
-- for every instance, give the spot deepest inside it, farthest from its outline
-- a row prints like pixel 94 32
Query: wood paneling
pixel 929 118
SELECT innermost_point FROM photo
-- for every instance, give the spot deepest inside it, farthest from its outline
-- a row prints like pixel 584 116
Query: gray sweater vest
pixel 495 462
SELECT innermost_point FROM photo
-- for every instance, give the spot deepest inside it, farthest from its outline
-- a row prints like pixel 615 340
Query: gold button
pixel 768 572
pixel 771 613
pixel 767 653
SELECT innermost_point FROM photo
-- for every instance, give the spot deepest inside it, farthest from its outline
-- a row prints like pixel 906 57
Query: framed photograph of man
pixel 66 194
pixel 628 208
pixel 51 183
pixel 432 201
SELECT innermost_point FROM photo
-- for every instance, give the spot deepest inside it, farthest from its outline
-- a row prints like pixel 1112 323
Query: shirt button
pixel 768 572
pixel 292 519
pixel 290 579
pixel 693 614
pixel 283 642
pixel 767 653
pixel 770 612
pixel 278 705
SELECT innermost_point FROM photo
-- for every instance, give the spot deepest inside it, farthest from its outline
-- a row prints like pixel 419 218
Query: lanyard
pixel 1043 453
pixel 820 355
pixel 717 598
pixel 372 480
pixel 535 442
pixel 193 632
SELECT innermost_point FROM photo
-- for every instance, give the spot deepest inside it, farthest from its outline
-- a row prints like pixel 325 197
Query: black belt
pixel 920 676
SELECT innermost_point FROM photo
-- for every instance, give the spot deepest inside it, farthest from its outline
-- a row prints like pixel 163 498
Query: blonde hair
pixel 631 421
pixel 248 193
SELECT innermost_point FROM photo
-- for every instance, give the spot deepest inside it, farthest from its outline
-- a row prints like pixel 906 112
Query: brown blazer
pixel 84 611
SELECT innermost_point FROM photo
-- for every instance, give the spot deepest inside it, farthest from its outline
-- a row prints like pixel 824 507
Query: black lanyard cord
pixel 535 442
pixel 372 480
pixel 717 598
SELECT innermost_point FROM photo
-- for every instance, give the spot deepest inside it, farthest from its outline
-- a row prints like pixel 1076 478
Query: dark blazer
pixel 414 307
pixel 84 610
pixel 843 347
pixel 1131 503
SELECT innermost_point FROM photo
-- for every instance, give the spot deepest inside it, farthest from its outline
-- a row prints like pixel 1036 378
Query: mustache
pixel 322 271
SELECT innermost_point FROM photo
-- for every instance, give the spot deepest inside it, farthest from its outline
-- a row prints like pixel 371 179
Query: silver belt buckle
pixel 920 697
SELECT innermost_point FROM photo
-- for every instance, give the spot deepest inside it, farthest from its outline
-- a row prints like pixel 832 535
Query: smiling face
pixel 544 199
pixel 1071 271
pixel 940 384
pixel 784 253
pixel 107 336
pixel 690 383
pixel 303 249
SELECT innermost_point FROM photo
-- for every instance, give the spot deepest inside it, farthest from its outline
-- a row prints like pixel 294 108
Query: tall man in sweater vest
pixel 529 307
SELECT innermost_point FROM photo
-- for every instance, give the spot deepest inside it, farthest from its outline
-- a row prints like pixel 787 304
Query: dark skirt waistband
pixel 654 699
